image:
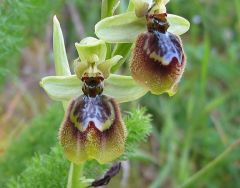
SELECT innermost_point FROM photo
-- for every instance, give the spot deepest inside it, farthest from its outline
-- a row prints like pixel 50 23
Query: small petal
pixel 106 66
pixel 124 28
pixel 64 88
pixel 80 67
pixel 93 129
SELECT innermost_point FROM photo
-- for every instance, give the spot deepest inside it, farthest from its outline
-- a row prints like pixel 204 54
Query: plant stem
pixel 107 7
pixel 166 170
pixel 74 175
pixel 200 174
pixel 237 5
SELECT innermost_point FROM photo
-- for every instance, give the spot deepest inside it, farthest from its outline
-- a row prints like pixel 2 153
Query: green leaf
pixel 64 88
pixel 139 126
pixel 36 137
pixel 142 155
pixel 60 56
pixel 108 7
pixel 46 170
pixel 124 28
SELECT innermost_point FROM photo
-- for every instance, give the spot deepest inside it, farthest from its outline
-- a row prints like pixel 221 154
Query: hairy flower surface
pixel 93 127
pixel 158 59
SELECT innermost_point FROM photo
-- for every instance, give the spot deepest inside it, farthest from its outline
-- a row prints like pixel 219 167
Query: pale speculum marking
pixel 164 48
pixel 94 112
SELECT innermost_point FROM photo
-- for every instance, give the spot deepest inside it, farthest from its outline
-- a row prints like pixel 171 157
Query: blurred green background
pixel 190 129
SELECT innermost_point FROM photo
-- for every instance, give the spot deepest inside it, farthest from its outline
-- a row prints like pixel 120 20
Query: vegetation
pixel 190 130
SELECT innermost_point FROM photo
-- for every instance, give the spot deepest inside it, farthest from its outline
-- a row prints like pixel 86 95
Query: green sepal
pixel 123 88
pixel 91 50
pixel 60 56
pixel 124 28
pixel 64 88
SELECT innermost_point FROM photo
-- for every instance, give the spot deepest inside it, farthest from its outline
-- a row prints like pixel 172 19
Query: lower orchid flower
pixel 93 127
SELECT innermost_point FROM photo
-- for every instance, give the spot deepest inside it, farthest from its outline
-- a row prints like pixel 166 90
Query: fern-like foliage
pixel 38 138
pixel 139 127
pixel 19 22
pixel 44 171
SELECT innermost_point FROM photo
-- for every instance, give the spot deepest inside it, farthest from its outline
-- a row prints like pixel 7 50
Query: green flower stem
pixel 107 8
pixel 212 165
pixel 122 49
pixel 130 6
pixel 75 172
pixel 168 142
pixel 166 170
pixel 237 5
pixel 106 11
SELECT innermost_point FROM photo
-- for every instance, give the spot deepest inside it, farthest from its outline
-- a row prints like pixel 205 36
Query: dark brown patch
pixel 141 58
pixel 113 171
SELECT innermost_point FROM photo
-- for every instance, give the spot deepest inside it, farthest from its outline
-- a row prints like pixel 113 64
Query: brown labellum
pixel 158 59
pixel 93 127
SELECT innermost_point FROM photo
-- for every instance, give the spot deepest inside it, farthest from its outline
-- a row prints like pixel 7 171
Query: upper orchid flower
pixel 124 28
pixel 158 59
